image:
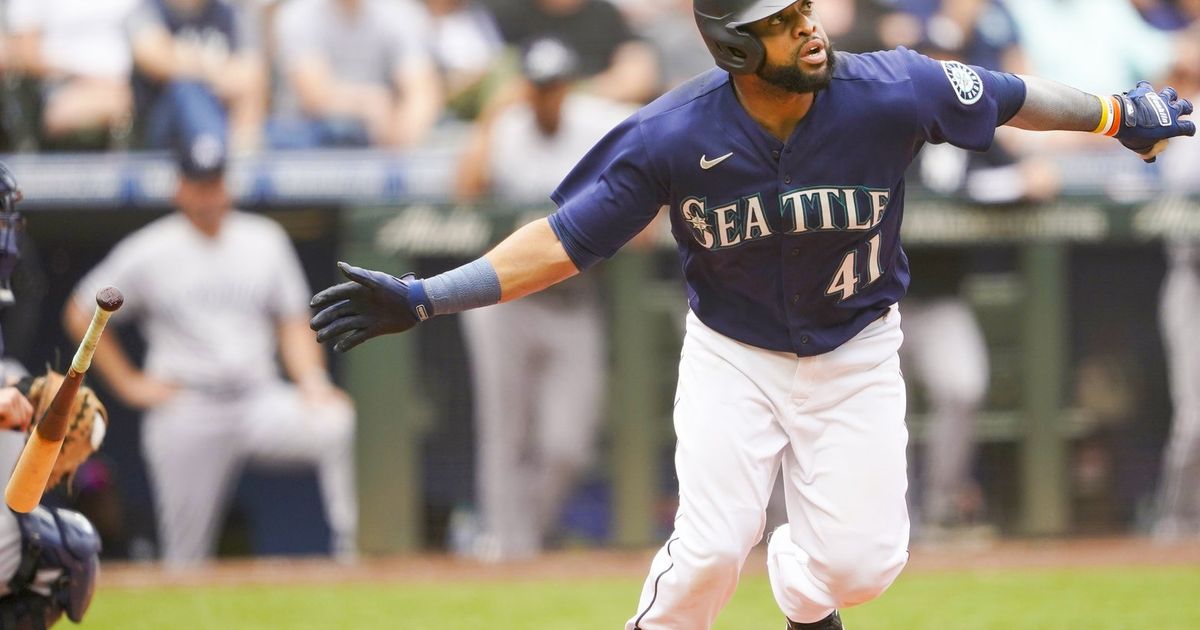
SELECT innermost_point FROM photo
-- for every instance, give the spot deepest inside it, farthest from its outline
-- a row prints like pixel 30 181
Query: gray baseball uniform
pixel 208 309
pixel 1179 491
pixel 946 351
pixel 537 363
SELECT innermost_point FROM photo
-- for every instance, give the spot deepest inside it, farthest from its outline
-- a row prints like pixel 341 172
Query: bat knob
pixel 109 299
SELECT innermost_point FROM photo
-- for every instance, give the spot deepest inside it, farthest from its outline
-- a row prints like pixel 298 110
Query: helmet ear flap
pixel 735 51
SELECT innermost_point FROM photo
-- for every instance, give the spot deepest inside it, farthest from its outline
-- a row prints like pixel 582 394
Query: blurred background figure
pixel 670 27
pixel 945 349
pixel 537 364
pixel 353 73
pixel 220 294
pixel 466 44
pixel 76 58
pixel 196 61
pixel 1179 487
pixel 613 62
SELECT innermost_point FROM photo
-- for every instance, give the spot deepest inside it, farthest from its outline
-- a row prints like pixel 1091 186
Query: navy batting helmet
pixel 720 23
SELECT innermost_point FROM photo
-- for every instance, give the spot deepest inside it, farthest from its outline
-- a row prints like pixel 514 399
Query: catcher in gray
pixel 48 558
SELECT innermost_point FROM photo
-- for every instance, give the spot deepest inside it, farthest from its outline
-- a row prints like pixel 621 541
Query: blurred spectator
pixel 537 363
pixel 77 53
pixel 466 44
pixel 867 25
pixel 1168 15
pixel 1099 46
pixel 672 31
pixel 612 62
pixel 355 73
pixel 220 297
pixel 196 61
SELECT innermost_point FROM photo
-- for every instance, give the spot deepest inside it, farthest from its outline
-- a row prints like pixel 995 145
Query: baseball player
pixel 49 557
pixel 1179 485
pixel 783 171
pixel 537 364
pixel 217 293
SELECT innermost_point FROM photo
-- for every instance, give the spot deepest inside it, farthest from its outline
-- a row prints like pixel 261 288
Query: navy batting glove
pixel 1148 118
pixel 372 303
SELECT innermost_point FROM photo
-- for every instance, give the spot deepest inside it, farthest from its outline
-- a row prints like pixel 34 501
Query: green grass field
pixel 1078 599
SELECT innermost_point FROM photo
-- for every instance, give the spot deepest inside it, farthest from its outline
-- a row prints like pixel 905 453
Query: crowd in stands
pixel 125 74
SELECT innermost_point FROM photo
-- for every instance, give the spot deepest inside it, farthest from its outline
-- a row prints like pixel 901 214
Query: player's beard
pixel 793 77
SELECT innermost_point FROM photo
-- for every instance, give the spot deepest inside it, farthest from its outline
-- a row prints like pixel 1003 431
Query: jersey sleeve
pixel 961 104
pixel 609 197
pixel 291 294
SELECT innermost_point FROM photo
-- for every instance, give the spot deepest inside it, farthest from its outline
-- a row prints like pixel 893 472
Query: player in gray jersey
pixel 218 293
pixel 783 174
pixel 535 425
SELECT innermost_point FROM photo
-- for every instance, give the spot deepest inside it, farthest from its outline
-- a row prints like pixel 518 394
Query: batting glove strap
pixel 418 301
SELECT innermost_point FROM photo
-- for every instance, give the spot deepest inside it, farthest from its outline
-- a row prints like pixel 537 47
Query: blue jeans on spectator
pixel 183 111
pixel 309 133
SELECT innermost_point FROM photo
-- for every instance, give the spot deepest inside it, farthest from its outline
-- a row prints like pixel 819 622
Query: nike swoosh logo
pixel 706 163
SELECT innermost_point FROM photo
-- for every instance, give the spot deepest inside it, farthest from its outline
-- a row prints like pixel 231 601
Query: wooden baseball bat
pixel 28 480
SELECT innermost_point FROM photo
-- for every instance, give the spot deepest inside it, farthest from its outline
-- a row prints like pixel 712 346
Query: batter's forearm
pixel 529 260
pixel 1051 106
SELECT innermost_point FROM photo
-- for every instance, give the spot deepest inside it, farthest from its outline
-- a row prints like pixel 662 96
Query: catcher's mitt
pixel 88 422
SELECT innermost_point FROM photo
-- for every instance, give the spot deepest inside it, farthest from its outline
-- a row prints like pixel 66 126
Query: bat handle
pixel 37 460
pixel 87 347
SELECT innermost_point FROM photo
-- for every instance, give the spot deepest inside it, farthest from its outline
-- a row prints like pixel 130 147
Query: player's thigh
pixel 845 472
pixel 500 342
pixel 190 445
pixel 279 425
pixel 1180 301
pixel 728 440
pixel 945 347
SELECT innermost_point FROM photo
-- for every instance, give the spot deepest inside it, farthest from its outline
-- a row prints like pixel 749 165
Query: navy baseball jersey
pixel 790 246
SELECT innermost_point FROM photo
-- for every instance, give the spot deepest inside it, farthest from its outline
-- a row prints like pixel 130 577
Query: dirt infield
pixel 1038 554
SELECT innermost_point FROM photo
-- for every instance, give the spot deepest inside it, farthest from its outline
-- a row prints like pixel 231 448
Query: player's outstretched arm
pixel 373 303
pixel 1142 119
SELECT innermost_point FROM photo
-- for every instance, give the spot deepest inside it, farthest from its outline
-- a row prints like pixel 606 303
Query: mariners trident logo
pixel 968 87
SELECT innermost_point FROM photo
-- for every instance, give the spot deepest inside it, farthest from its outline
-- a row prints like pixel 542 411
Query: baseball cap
pixel 547 60
pixel 202 157
pixel 201 145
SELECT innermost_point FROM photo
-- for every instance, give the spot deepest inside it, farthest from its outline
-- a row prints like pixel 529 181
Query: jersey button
pixel 787 179
pixel 775 154
pixel 796 299
pixel 795 251
pixel 805 339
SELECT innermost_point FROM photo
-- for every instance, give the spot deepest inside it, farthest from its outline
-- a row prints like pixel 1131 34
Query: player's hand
pixel 1149 119
pixel 373 303
pixel 15 410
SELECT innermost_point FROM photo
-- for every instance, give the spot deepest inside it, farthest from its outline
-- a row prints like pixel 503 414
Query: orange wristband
pixel 1110 116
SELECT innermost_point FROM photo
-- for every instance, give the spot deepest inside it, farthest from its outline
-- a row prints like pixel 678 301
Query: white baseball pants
pixel 835 423
pixel 195 447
